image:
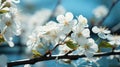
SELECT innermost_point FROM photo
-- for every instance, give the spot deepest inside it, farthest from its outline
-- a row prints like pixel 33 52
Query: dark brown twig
pixel 45 58
pixel 50 51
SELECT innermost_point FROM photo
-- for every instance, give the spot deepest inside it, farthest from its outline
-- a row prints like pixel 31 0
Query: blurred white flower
pixel 100 11
pixel 33 40
pixel 114 56
pixel 38 19
pixel 60 10
pixel 3 61
pixel 88 47
pixel 27 65
pixel 114 39
pixel 101 31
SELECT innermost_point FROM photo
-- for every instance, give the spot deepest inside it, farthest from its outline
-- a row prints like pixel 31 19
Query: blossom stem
pixel 45 58
pixel 104 18
pixel 50 51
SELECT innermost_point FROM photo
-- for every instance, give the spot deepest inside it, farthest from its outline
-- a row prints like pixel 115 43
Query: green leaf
pixel 3 11
pixel 105 44
pixel 36 53
pixel 71 45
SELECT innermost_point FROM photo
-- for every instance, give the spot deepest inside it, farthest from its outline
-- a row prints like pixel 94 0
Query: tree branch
pixel 53 11
pixel 104 18
pixel 45 58
pixel 50 51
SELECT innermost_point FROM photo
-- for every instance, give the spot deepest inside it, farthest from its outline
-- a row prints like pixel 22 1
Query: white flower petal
pixel 68 16
pixel 11 44
pixel 110 37
pixel 82 20
pixel 86 33
pixel 106 31
pixel 60 18
pixel 27 65
pixel 94 48
pixel 112 42
pixel 102 35
pixel 95 29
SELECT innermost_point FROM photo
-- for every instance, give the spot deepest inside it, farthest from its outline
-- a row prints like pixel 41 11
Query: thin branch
pixel 116 27
pixel 50 51
pixel 113 4
pixel 45 58
pixel 53 11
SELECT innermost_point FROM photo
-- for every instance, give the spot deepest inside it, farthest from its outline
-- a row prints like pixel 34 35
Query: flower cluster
pixel 55 32
pixel 104 33
pixel 9 22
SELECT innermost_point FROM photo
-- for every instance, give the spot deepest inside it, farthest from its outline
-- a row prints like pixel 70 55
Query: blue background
pixel 77 7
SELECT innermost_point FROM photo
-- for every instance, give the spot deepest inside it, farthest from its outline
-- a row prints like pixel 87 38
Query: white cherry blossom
pixel 82 21
pixel 100 11
pixel 101 31
pixel 80 30
pixel 114 39
pixel 88 47
pixel 66 21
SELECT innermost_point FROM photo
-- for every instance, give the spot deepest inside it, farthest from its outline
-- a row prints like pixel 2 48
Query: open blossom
pixel 82 21
pixel 66 21
pixel 101 31
pixel 10 25
pixel 114 39
pixel 36 42
pixel 88 47
pixel 52 32
pixel 80 30
pixel 100 11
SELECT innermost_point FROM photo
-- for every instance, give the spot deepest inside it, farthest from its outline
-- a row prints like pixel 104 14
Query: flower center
pixel 86 46
pixel 8 23
pixel 66 23
pixel 79 34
